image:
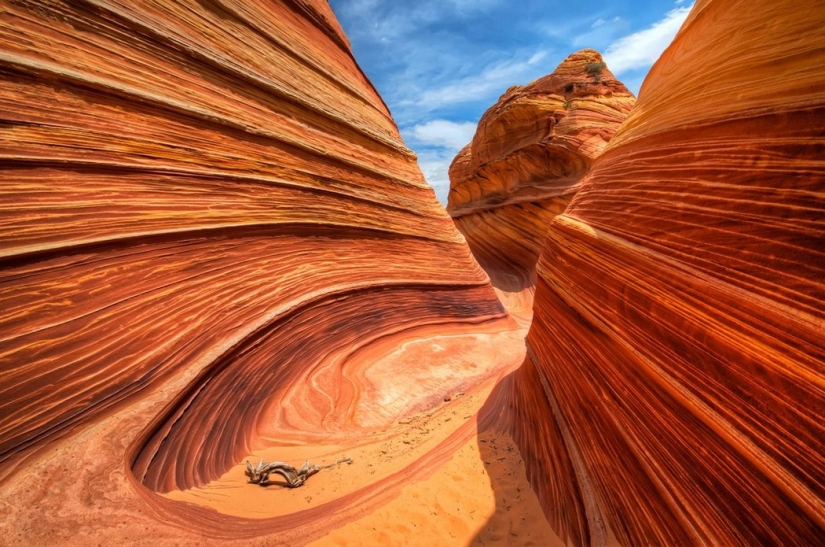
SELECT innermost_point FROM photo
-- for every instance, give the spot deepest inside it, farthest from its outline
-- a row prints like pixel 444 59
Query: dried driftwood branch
pixel 294 477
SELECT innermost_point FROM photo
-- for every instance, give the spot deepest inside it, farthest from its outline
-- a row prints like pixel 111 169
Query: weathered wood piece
pixel 294 477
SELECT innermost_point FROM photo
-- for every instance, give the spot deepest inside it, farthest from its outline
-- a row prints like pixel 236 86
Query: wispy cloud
pixel 599 33
pixel 493 80
pixel 437 142
pixel 435 164
pixel 386 21
pixel 641 49
pixel 439 64
pixel 444 133
pixel 600 22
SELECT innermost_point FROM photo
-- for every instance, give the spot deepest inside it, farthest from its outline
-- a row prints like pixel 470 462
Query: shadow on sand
pixel 518 519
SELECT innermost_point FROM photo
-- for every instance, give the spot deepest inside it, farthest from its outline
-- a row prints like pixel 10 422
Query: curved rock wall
pixel 526 161
pixel 676 361
pixel 207 210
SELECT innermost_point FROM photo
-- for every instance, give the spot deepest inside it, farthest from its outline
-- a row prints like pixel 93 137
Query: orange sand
pixel 479 497
pixel 471 490
pixel 433 477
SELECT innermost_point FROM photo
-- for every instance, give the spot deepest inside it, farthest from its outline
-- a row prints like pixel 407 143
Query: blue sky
pixel 439 64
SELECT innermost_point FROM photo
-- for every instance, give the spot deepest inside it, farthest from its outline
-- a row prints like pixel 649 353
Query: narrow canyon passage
pixel 217 255
pixel 215 248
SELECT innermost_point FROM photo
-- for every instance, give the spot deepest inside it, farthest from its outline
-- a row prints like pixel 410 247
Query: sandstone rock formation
pixel 214 247
pixel 526 161
pixel 675 388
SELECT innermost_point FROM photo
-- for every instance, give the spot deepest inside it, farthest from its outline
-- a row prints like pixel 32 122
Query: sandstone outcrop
pixel 216 248
pixel 674 392
pixel 526 161
pixel 214 245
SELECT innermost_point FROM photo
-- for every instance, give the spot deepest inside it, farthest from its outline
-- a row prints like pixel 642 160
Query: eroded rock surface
pixel 213 243
pixel 218 249
pixel 526 161
pixel 673 393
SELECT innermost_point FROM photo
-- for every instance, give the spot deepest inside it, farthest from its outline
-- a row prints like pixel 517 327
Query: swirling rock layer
pixel 213 243
pixel 526 161
pixel 676 364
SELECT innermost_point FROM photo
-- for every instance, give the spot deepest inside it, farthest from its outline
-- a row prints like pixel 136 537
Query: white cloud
pixel 444 133
pixel 438 142
pixel 378 22
pixel 600 22
pixel 493 81
pixel 430 59
pixel 435 164
pixel 382 21
pixel 537 56
pixel 641 49
pixel 600 33
pixel 358 8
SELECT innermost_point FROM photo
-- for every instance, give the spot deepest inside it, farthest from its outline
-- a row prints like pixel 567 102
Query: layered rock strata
pixel 213 243
pixel 674 392
pixel 526 161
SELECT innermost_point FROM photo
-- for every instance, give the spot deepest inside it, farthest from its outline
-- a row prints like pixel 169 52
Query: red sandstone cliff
pixel 526 161
pixel 213 242
pixel 217 248
pixel 674 392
